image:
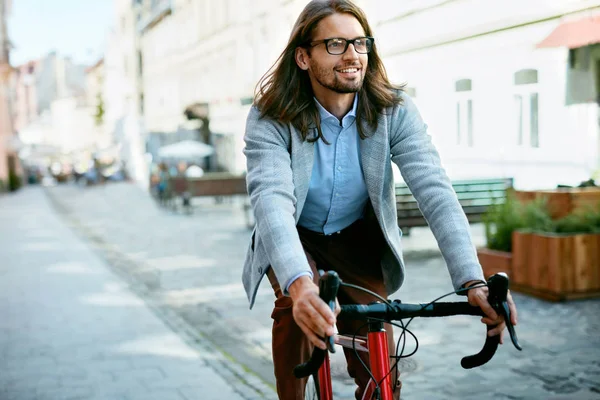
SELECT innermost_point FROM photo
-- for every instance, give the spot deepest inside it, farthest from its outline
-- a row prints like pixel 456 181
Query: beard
pixel 332 82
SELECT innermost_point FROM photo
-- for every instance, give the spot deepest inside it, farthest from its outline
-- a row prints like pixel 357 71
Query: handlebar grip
pixel 485 355
pixel 498 290
pixel 329 283
pixel 328 289
pixel 312 365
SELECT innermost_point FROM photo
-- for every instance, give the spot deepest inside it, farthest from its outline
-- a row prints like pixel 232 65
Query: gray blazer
pixel 279 167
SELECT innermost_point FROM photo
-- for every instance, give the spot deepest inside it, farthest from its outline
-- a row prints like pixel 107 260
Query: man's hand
pixel 312 314
pixel 478 297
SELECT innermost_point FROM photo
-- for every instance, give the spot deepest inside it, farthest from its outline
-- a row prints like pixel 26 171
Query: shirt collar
pixel 346 120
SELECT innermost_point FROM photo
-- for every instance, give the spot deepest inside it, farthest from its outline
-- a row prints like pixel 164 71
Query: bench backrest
pixel 475 196
pixel 210 184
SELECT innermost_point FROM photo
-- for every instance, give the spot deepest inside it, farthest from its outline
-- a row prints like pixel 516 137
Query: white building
pixel 496 104
pixel 121 92
pixel 212 53
pixel 52 110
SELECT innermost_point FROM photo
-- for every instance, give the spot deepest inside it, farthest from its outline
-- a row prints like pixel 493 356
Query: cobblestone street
pixel 191 265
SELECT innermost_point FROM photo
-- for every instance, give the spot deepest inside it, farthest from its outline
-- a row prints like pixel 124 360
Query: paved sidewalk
pixel 189 261
pixel 71 329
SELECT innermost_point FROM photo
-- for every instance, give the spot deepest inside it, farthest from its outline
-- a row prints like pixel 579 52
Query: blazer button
pixel 260 270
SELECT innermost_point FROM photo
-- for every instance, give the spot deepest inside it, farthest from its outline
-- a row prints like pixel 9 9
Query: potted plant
pixel 560 262
pixel 564 200
pixel 500 221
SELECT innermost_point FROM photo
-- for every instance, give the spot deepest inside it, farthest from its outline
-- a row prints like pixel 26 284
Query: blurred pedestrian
pixel 163 183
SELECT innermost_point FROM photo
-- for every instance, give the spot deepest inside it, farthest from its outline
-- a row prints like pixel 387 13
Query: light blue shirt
pixel 337 194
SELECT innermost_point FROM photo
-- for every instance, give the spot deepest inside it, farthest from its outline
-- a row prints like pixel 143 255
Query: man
pixel 325 124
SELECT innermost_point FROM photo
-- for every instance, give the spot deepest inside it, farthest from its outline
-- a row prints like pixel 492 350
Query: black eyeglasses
pixel 337 46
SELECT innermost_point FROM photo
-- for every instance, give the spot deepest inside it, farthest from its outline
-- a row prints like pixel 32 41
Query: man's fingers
pixel 497 330
pixel 315 321
pixel 486 307
pixel 317 316
pixel 337 308
pixel 325 313
pixel 314 339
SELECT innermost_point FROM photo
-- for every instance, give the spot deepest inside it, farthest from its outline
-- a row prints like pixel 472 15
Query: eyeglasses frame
pixel 348 42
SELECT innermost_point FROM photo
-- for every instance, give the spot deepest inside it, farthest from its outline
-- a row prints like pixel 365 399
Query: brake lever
pixel 329 283
pixel 498 290
pixel 498 285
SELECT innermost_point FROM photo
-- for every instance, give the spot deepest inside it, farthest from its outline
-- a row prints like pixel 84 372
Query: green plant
pixel 99 114
pixel 586 220
pixel 14 181
pixel 500 221
pixel 535 216
pixel 573 223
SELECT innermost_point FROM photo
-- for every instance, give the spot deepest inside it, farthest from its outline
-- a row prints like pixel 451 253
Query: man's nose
pixel 351 53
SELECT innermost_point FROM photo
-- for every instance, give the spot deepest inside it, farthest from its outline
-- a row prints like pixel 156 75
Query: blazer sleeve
pixel 270 186
pixel 421 168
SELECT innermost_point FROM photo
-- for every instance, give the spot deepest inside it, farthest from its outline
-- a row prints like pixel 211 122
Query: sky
pixel 74 28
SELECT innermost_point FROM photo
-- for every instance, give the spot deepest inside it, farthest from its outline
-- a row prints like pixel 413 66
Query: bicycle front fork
pixel 379 360
pixel 379 364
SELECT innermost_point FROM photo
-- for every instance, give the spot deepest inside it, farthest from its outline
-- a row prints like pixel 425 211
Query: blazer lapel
pixel 303 157
pixel 374 151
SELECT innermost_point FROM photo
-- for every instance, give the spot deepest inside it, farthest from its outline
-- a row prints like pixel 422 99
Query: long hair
pixel 285 93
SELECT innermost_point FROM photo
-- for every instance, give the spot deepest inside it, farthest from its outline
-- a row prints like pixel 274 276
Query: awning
pixel 573 34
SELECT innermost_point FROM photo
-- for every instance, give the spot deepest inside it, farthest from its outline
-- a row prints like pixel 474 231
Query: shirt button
pixel 339 168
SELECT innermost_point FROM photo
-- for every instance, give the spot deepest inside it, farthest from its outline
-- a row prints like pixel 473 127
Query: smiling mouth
pixel 350 70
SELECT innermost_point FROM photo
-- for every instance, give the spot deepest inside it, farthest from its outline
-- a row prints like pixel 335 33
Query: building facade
pixel 122 94
pixel 211 54
pixel 51 106
pixel 497 102
pixel 10 170
pixel 25 103
pixel 95 99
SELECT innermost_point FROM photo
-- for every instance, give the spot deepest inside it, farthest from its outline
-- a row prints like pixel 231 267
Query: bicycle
pixel 375 343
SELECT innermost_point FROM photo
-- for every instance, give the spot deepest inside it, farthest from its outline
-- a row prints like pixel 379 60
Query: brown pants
pixel 355 256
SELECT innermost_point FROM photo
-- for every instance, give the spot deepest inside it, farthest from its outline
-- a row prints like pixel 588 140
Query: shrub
pixel 14 181
pixel 535 216
pixel 500 221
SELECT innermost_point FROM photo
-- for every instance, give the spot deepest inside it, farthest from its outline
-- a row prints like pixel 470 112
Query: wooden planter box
pixel 556 267
pixel 563 201
pixel 493 261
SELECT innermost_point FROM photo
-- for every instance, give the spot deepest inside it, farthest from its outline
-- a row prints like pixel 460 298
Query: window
pixel 464 112
pixel 526 108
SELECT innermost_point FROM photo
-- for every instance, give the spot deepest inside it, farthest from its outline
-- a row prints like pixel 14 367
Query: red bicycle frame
pixel 377 346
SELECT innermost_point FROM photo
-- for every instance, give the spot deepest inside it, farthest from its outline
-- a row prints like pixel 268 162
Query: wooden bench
pixel 213 184
pixel 475 196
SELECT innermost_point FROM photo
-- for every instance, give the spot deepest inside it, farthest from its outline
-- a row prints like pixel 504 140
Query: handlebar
pixel 330 282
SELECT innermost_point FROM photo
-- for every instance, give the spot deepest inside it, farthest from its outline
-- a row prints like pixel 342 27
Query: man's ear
pixel 302 58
